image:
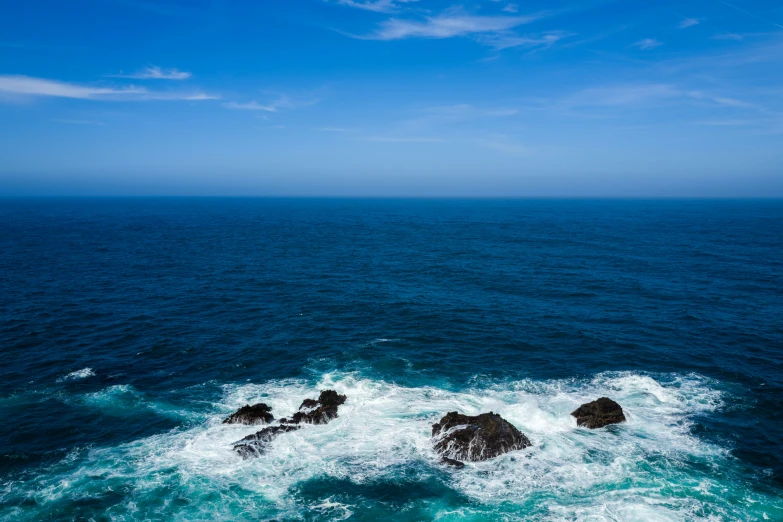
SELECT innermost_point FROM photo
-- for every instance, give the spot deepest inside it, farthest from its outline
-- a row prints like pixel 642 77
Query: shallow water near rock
pixel 131 329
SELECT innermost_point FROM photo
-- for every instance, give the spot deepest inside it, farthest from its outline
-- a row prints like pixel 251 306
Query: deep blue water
pixel 129 328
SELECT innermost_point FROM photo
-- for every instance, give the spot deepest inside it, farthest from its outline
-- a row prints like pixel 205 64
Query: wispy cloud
pixel 448 25
pixel 723 123
pixel 505 41
pixel 768 115
pixel 648 43
pixel 511 8
pixel 80 122
pixel 732 102
pixel 379 6
pixel 155 73
pixel 40 87
pixel 448 115
pixel 754 15
pixel 621 95
pixel 504 144
pixel 282 102
pixel 333 129
pixel 250 106
pixel 688 22
pixel 728 36
pixel 401 139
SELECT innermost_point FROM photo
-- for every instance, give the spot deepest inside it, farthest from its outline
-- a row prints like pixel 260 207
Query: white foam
pixel 641 470
pixel 79 374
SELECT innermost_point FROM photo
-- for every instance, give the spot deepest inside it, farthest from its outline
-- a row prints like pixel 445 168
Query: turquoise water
pixel 131 328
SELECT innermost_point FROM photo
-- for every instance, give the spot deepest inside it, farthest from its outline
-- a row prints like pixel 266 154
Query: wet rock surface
pixel 599 413
pixel 255 444
pixel 311 411
pixel 319 411
pixel 256 414
pixel 481 437
pixel 452 462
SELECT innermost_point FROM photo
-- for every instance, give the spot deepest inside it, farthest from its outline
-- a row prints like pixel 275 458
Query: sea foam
pixel 79 374
pixel 650 468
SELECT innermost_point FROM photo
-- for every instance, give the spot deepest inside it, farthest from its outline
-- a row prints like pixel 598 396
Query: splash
pixel 377 455
pixel 79 374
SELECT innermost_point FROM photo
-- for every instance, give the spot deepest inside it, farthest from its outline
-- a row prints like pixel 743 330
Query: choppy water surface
pixel 130 328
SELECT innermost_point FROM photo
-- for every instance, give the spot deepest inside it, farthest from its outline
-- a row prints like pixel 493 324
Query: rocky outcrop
pixel 256 414
pixel 311 411
pixel 255 444
pixel 461 437
pixel 599 413
pixel 318 411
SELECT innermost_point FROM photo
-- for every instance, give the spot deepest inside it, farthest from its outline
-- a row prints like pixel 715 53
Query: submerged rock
pixel 599 413
pixel 461 437
pixel 255 444
pixel 256 414
pixel 318 411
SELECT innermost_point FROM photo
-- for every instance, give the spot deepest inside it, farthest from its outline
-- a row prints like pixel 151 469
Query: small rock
pixel 452 462
pixel 256 414
pixel 309 403
pixel 319 411
pixel 255 444
pixel 482 437
pixel 599 413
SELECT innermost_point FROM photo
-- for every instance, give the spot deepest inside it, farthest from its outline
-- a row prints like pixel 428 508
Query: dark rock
pixel 255 444
pixel 318 411
pixel 452 462
pixel 256 414
pixel 476 438
pixel 309 403
pixel 598 414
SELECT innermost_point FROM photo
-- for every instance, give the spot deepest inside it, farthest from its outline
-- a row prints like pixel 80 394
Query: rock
pixel 255 444
pixel 309 403
pixel 312 411
pixel 599 413
pixel 318 411
pixel 481 437
pixel 452 462
pixel 256 414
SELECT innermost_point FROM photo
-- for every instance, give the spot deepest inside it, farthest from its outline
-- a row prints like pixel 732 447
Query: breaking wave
pixel 376 460
pixel 79 374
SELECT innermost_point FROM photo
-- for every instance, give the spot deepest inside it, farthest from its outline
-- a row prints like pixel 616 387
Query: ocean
pixel 130 328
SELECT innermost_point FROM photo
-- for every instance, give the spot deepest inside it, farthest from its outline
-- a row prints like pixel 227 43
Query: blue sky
pixel 391 98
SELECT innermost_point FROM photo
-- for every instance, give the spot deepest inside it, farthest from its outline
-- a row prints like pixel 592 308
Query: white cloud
pixel 29 86
pixel 511 8
pixel 401 139
pixel 688 22
pixel 505 41
pixel 648 43
pixel 379 6
pixel 282 102
pixel 732 102
pixel 622 95
pixel 728 36
pixel 155 73
pixel 250 106
pixel 447 26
